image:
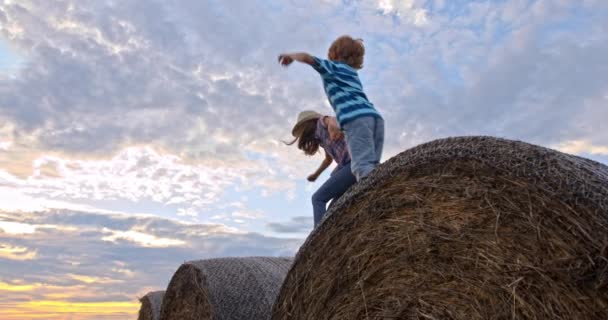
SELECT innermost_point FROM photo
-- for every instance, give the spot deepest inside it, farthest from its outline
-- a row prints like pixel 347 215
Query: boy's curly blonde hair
pixel 347 50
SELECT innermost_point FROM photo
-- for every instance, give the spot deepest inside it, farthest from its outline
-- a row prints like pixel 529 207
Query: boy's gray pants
pixel 365 139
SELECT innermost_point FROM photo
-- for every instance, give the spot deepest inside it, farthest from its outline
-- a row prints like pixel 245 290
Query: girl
pixel 311 131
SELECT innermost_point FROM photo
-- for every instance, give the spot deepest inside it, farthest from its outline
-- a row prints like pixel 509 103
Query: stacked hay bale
pixel 460 228
pixel 225 288
pixel 150 306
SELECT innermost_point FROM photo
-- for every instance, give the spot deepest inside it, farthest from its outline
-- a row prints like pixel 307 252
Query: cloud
pixel 5 145
pixel 17 287
pixel 295 225
pixel 16 228
pixel 248 214
pixel 108 78
pixel 524 70
pixel 112 255
pixel 144 81
pixel 10 252
pixel 92 279
pixel 140 238
pixel 406 9
pixel 582 147
pixel 135 174
pixel 158 85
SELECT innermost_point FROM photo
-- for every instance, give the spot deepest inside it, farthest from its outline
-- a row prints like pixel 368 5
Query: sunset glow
pixel 47 309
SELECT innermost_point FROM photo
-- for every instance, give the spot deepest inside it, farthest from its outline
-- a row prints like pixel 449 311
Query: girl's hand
pixel 335 133
pixel 285 59
pixel 334 130
pixel 312 177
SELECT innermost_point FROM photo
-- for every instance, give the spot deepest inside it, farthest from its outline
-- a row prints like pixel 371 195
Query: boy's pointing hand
pixel 285 59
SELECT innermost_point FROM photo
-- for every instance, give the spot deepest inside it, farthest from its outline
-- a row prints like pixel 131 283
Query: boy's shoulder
pixel 332 62
pixel 330 67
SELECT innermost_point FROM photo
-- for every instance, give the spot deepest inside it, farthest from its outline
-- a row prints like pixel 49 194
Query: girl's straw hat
pixel 303 117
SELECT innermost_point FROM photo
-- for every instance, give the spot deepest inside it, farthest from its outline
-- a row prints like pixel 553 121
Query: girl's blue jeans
pixel 339 181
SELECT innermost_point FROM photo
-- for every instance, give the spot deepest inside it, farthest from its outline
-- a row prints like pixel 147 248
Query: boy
pixel 356 116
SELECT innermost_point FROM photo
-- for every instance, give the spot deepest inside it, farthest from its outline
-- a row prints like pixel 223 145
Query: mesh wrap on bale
pixel 150 306
pixel 225 288
pixel 460 228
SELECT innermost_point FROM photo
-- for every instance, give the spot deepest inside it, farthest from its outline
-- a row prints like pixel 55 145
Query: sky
pixel 136 135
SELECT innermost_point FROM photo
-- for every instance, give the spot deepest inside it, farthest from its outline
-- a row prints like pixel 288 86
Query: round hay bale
pixel 150 306
pixel 460 228
pixel 225 288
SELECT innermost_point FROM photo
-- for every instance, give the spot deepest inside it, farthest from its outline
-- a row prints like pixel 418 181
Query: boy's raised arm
pixel 286 59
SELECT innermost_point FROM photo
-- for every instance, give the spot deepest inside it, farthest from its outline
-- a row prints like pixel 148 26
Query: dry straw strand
pixel 460 228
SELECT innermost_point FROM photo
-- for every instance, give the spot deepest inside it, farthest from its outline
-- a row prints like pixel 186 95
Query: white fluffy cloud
pixel 410 10
pixel 200 81
pixel 16 228
pixel 136 174
pixel 141 238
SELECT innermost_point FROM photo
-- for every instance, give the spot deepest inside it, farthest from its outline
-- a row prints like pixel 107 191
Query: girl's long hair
pixel 307 140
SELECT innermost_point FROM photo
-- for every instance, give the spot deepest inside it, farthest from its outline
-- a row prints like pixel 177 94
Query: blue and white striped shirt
pixel 344 91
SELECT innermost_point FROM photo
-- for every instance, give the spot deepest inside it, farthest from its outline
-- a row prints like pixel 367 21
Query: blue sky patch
pixel 9 60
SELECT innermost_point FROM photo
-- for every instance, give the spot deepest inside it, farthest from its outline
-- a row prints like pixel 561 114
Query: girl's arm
pixel 286 59
pixel 326 163
pixel 332 126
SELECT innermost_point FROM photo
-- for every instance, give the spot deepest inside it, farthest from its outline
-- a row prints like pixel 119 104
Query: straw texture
pixel 150 306
pixel 460 228
pixel 225 288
